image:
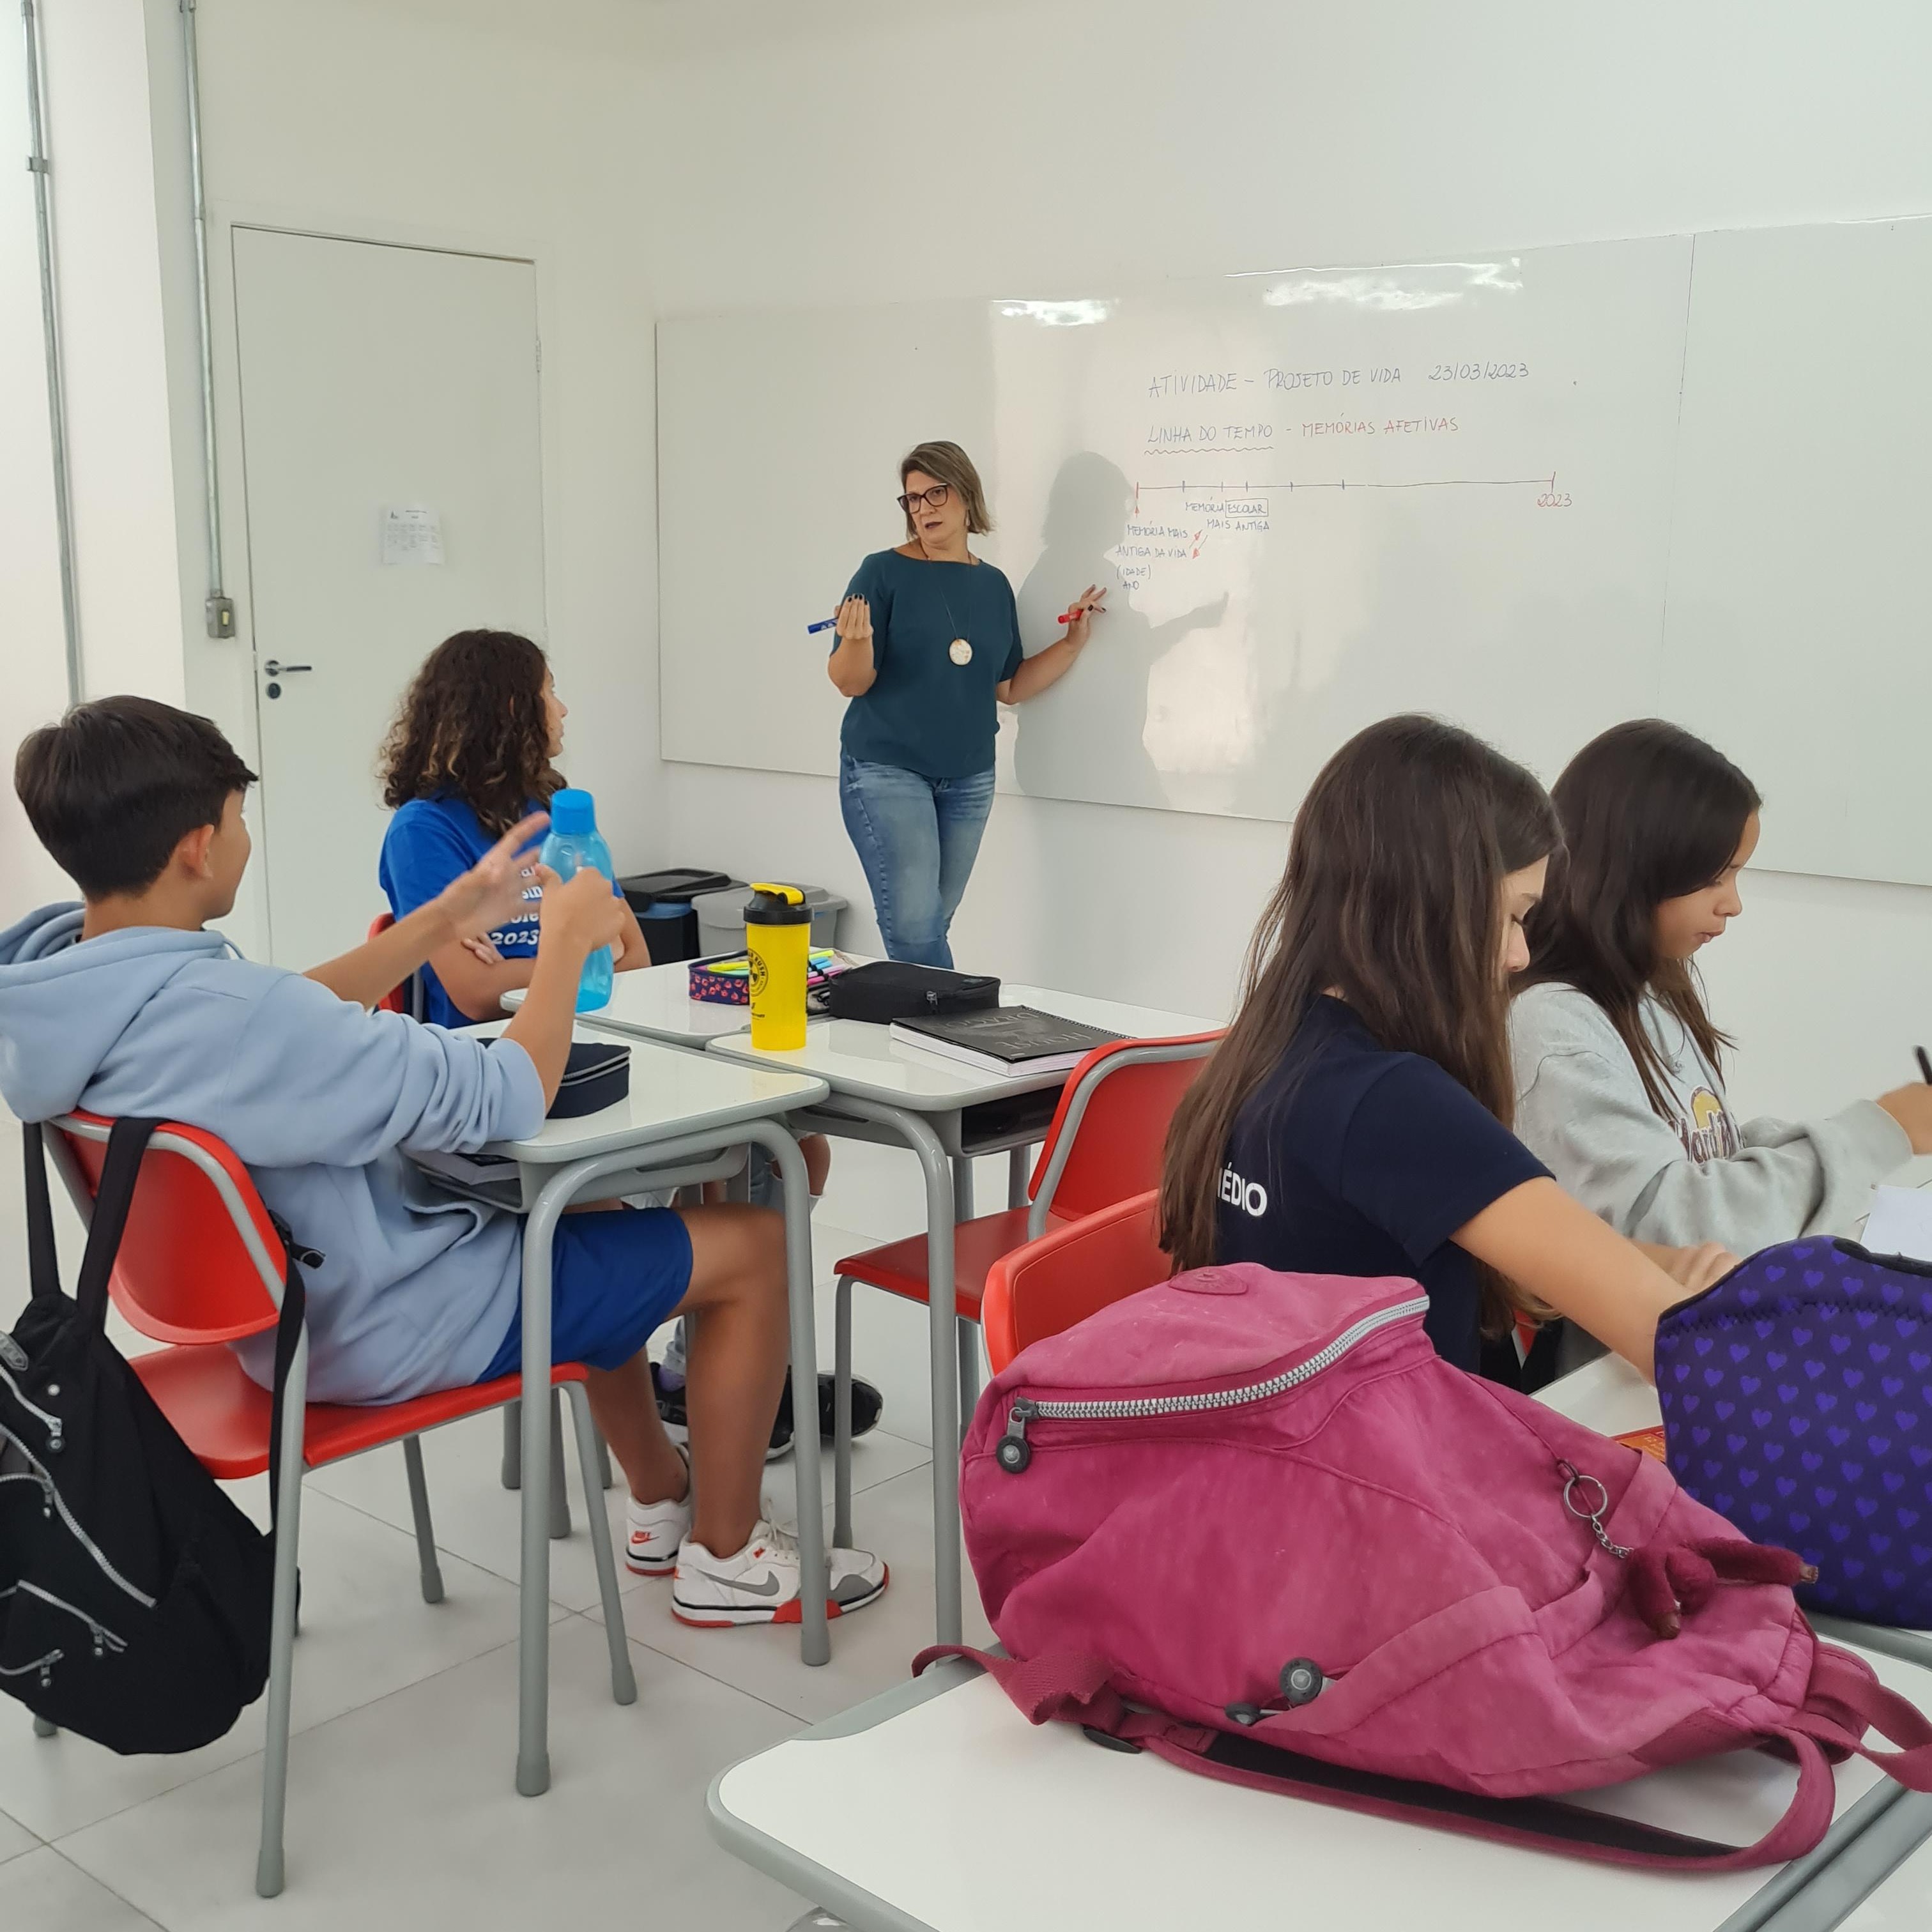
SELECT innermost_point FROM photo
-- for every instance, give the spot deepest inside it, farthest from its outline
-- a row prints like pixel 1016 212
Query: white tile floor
pixel 402 1813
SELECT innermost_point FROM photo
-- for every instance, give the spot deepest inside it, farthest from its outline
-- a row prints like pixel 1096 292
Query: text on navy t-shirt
pixel 1351 1159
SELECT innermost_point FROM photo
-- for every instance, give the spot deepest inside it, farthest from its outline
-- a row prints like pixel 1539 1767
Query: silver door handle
pixel 274 669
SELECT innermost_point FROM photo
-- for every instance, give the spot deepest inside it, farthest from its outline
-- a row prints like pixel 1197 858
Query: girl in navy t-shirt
pixel 1356 1119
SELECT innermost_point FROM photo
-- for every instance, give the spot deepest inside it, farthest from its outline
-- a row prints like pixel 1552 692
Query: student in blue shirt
pixel 469 754
pixel 928 646
pixel 472 751
pixel 1355 1121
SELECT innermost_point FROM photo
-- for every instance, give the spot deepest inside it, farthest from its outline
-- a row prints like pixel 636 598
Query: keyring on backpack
pixel 1594 1517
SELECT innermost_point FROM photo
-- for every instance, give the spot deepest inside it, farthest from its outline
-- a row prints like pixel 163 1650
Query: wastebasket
pixel 721 919
pixel 662 901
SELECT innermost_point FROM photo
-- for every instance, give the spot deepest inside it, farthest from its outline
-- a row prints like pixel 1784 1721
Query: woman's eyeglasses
pixel 934 498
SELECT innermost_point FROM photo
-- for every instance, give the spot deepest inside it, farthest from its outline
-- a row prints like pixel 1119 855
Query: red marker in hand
pixel 1082 609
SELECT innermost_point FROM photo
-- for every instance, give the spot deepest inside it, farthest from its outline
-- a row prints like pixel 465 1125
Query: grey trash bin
pixel 721 919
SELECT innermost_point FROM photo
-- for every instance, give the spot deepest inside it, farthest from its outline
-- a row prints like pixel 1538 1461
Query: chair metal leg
pixel 842 1414
pixel 623 1679
pixel 605 1480
pixel 969 1374
pixel 426 1558
pixel 268 1862
pixel 43 1728
pixel 559 1491
pixel 513 1445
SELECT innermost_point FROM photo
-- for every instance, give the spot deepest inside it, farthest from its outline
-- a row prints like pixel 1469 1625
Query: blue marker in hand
pixel 823 624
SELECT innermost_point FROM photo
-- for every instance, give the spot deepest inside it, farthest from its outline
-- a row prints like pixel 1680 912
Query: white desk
pixel 655 1002
pixel 937 1808
pixel 883 1089
pixel 1609 1396
pixel 684 1116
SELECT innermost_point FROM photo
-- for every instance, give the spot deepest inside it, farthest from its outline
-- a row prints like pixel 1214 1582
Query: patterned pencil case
pixel 1797 1399
pixel 726 980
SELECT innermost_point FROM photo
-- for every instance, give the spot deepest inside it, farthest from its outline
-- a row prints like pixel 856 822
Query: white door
pixel 389 419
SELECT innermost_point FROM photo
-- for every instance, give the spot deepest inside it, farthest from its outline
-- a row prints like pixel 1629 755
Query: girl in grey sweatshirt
pixel 1619 1084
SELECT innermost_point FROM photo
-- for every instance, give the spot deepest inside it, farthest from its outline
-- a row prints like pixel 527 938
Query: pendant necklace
pixel 960 650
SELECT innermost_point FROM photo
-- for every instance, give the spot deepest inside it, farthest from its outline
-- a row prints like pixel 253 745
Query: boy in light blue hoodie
pixel 127 1005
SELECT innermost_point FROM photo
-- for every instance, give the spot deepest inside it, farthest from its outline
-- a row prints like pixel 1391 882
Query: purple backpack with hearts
pixel 1797 1397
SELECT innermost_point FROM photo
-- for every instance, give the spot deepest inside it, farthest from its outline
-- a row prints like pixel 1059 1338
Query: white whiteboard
pixel 1319 497
pixel 1797 633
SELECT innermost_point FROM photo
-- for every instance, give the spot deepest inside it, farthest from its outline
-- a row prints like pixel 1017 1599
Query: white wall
pixel 1039 147
pixel 427 125
pixel 125 466
pixel 671 158
pixel 121 451
pixel 34 688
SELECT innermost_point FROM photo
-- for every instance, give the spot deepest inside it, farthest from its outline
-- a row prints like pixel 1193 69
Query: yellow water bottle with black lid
pixel 778 940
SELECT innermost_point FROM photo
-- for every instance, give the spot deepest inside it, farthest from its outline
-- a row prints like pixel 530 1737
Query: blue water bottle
pixel 574 842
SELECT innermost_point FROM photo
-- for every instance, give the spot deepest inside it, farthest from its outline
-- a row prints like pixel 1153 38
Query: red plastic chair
pixel 1072 1273
pixel 408 997
pixel 1107 1141
pixel 200 1265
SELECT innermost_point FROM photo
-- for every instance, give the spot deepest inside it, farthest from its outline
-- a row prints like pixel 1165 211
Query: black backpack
pixel 134 1595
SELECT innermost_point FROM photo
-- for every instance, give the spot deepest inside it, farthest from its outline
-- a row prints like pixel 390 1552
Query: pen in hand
pixel 1924 1065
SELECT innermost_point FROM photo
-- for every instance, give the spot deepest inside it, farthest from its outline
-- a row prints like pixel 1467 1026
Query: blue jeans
pixel 916 837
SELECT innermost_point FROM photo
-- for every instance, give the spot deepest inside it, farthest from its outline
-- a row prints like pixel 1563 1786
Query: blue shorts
pixel 615 1278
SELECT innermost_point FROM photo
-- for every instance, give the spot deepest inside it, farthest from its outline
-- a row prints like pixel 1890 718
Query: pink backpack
pixel 1252 1522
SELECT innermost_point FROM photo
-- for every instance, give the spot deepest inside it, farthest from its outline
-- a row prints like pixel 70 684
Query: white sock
pixel 672 1372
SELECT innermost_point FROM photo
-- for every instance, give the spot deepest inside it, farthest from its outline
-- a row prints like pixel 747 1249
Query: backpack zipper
pixel 104 1639
pixel 52 1422
pixel 44 1665
pixel 1014 1452
pixel 40 1479
pixel 51 1500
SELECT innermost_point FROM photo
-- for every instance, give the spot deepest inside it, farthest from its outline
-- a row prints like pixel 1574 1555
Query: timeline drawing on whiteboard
pixel 1321 497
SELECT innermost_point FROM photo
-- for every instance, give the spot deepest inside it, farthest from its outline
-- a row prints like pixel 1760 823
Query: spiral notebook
pixel 1012 1040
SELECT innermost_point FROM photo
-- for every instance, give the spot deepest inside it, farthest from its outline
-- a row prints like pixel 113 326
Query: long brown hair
pixel 472 724
pixel 1392 897
pixel 1649 813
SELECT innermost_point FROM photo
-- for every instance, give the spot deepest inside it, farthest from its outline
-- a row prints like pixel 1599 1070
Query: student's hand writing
pixel 578 915
pixel 1695 1269
pixel 492 891
pixel 1911 1107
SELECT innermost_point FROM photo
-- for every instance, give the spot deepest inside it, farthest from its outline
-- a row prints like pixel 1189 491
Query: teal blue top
pixel 924 712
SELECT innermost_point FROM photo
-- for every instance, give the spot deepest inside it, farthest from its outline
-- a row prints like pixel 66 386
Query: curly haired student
pixel 470 754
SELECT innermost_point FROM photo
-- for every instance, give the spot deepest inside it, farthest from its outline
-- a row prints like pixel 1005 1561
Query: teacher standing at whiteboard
pixel 928 646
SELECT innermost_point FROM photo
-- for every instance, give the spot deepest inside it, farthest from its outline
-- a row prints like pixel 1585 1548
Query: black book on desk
pixel 1006 1039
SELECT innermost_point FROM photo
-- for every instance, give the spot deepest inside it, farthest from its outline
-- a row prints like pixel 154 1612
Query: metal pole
pixel 38 166
pixel 221 608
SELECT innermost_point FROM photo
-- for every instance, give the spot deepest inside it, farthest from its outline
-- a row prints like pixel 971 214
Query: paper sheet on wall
pixel 1901 1223
pixel 411 534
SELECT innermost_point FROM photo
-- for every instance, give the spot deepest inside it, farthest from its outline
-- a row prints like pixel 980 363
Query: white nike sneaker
pixel 656 1531
pixel 759 1584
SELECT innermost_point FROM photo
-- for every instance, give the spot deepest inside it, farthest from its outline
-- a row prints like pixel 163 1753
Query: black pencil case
pixel 596 1076
pixel 889 990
